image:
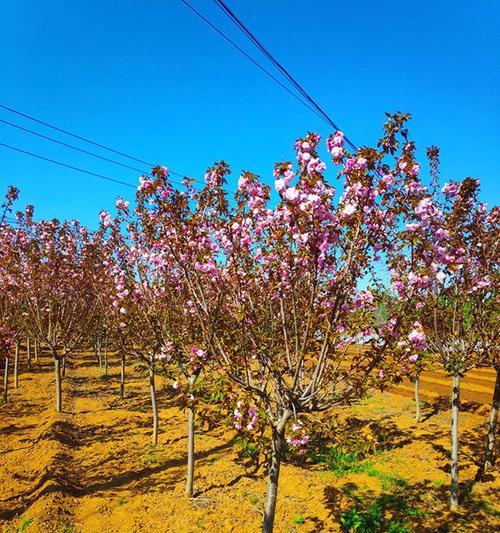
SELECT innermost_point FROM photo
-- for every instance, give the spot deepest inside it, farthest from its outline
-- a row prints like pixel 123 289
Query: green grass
pixel 25 525
pixel 341 462
pixel 338 460
pixel 376 519
pixel 298 519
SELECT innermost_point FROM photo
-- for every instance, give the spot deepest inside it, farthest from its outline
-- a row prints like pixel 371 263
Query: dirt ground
pixel 92 469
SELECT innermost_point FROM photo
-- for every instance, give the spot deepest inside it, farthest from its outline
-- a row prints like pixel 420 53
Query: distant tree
pixel 440 264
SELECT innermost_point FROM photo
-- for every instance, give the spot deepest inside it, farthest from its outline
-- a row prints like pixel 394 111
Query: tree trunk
pixel 277 448
pixel 106 356
pixel 99 357
pixel 190 454
pixel 489 455
pixel 6 381
pixel 154 405
pixel 16 366
pixel 28 352
pixel 122 376
pixel 455 402
pixel 57 371
pixel 36 350
pixel 417 398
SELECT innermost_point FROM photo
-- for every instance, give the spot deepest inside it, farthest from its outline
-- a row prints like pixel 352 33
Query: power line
pixel 314 105
pixel 79 137
pixel 248 56
pixel 76 136
pixel 278 65
pixel 83 171
pixel 72 167
pixel 85 139
pixel 73 147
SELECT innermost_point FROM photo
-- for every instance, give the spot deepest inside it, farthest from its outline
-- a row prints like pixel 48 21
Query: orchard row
pixel 277 304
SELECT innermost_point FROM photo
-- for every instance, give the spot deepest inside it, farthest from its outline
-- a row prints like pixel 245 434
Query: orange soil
pixel 91 468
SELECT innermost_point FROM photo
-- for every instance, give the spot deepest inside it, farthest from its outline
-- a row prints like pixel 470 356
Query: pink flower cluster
pixel 306 154
pixel 297 437
pixel 417 337
pixel 335 145
pixel 245 419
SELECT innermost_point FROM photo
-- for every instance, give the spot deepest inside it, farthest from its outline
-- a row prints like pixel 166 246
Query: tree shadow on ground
pixel 60 478
pixel 443 403
pixel 420 507
pixel 384 435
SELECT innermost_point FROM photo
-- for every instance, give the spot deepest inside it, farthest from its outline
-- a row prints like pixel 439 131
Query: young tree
pixel 10 316
pixel 149 292
pixel 60 262
pixel 441 266
pixel 277 291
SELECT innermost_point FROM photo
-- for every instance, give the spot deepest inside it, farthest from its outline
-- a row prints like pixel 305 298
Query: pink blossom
pixel 280 184
pixel 292 194
pixel 349 209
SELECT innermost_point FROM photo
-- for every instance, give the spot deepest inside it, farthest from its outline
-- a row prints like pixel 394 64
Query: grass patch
pixel 341 462
pixel 23 527
pixel 386 514
pixel 388 480
pixel 338 460
pixel 298 519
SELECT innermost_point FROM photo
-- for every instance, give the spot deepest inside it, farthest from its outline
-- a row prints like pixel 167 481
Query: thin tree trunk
pixel 16 366
pixel 190 454
pixel 36 350
pixel 106 356
pixel 99 356
pixel 489 455
pixel 154 405
pixel 122 376
pixel 64 366
pixel 455 403
pixel 277 448
pixel 6 381
pixel 28 352
pixel 57 371
pixel 417 398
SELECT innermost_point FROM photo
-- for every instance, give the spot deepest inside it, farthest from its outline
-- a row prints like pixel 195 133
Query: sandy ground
pixel 91 468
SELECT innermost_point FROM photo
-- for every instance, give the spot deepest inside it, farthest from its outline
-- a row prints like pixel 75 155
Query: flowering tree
pixel 441 265
pixel 277 291
pixel 487 247
pixel 150 293
pixel 9 303
pixel 59 265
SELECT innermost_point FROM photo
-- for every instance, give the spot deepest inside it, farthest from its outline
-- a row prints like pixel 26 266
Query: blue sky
pixel 153 80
